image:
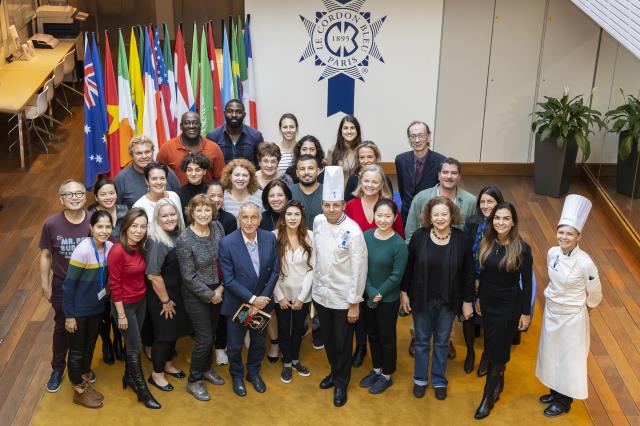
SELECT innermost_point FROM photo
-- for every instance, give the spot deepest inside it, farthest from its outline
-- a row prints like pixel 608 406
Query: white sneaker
pixel 221 357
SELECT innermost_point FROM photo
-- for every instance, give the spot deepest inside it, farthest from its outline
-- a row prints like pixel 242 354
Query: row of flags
pixel 153 88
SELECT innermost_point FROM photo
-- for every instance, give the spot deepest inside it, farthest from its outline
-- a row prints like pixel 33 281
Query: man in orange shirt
pixel 172 152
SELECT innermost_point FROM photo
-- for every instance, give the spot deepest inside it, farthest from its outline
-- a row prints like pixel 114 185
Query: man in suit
pixel 250 269
pixel 416 169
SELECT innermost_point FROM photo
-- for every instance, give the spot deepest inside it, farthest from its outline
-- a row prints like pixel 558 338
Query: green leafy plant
pixel 626 118
pixel 566 118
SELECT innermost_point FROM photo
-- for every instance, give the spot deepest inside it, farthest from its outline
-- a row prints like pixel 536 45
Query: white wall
pixel 395 93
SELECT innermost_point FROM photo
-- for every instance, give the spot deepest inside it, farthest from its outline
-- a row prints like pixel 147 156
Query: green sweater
pixel 387 261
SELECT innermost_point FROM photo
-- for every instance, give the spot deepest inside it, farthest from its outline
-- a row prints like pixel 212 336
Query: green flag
pixel 206 88
pixel 166 50
pixel 235 65
pixel 242 55
pixel 195 66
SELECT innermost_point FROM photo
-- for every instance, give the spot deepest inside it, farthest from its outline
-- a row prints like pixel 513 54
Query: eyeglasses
pixel 418 137
pixel 71 195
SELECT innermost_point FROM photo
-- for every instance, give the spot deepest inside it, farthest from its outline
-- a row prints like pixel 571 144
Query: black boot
pixel 118 347
pixel 135 371
pixel 107 346
pixel 468 330
pixel 358 355
pixel 490 387
pixel 483 367
pixel 127 379
pixel 500 386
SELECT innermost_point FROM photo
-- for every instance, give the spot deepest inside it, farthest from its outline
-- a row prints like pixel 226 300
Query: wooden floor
pixel 26 318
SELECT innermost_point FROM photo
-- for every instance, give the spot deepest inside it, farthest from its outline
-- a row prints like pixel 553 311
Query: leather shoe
pixel 167 388
pixel 440 393
pixel 484 409
pixel 213 378
pixel 327 382
pixel 339 396
pixel 358 355
pixel 554 410
pixel 178 374
pixel 238 387
pixel 469 362
pixel 452 350
pixel 258 384
pixel 547 398
pixel 419 390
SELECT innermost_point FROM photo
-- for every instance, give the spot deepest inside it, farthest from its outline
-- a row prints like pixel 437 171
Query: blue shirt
pixel 245 147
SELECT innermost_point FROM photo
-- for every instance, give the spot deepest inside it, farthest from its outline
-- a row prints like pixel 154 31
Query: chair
pixel 36 110
pixel 58 77
pixel 69 68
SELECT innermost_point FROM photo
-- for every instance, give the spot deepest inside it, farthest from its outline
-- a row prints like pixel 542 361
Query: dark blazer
pixel 461 270
pixel 406 170
pixel 239 277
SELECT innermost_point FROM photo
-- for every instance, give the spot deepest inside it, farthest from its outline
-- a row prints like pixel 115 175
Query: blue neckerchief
pixel 482 227
pixel 102 265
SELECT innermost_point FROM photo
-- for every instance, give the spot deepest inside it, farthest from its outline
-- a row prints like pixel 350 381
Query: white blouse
pixel 296 284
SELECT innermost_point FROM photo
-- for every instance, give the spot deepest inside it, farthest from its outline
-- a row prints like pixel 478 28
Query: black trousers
pixel 60 343
pixel 81 346
pixel 135 313
pixel 337 334
pixel 204 319
pixel 161 353
pixel 562 399
pixel 221 333
pixel 290 331
pixel 381 328
pixel 361 327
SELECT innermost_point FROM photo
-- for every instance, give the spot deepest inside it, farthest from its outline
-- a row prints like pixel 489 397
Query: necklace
pixel 433 232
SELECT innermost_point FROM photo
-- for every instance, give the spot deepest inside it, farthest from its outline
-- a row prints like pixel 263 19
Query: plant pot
pixel 553 166
pixel 627 173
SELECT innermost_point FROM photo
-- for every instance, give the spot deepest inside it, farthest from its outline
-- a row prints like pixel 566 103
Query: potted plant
pixel 625 120
pixel 561 126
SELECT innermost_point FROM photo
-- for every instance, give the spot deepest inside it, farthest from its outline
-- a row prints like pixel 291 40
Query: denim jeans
pixel 434 320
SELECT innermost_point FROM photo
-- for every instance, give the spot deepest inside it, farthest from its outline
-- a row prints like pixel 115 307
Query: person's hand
pixel 217 297
pixel 260 302
pixel 404 302
pixel 377 298
pixel 168 309
pixel 297 305
pixel 123 324
pixel 467 310
pixel 284 304
pixel 253 310
pixel 525 320
pixel 478 311
pixel 70 325
pixel 353 313
pixel 46 293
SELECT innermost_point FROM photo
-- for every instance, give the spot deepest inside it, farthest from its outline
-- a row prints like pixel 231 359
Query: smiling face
pixel 441 217
pixel 216 194
pixel 293 217
pixel 157 181
pixel 168 218
pixel 269 165
pixel 101 231
pixel 239 178
pixel 502 222
pixel 194 173
pixel 308 148
pixel 332 210
pixel 137 230
pixel 142 154
pixel 73 196
pixel 307 172
pixel 568 237
pixel 449 176
pixel 202 215
pixel 190 125
pixel 249 218
pixel 384 218
pixel 419 139
pixel 349 131
pixel 106 196
pixel 288 129
pixel 367 156
pixel 371 183
pixel 277 199
pixel 487 203
pixel 234 114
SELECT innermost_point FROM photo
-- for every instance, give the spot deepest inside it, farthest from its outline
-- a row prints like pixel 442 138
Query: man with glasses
pixel 236 139
pixel 61 233
pixel 172 152
pixel 416 169
pixel 130 183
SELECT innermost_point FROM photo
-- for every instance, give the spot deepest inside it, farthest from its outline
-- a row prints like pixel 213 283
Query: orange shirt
pixel 173 151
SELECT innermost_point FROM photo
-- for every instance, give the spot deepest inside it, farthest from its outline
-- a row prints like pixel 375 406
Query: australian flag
pixel 96 161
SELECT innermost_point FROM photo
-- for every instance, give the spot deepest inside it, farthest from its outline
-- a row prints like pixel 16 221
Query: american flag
pixel 165 91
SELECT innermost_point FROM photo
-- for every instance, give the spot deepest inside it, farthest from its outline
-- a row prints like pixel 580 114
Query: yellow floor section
pixel 302 402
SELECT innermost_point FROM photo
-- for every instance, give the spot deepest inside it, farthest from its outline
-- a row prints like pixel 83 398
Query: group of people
pixel 181 245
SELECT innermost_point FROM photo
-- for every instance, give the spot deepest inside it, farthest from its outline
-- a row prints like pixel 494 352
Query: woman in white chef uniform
pixel 574 287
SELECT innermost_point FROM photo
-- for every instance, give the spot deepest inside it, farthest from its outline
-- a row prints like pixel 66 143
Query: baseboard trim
pixel 482 169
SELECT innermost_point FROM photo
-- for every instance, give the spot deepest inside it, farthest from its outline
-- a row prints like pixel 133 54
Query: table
pixel 20 80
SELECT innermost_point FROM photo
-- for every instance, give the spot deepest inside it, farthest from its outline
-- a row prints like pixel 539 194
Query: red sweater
pixel 355 211
pixel 126 275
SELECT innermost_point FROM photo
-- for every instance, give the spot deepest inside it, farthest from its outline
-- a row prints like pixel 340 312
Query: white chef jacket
pixel 296 284
pixel 564 339
pixel 340 269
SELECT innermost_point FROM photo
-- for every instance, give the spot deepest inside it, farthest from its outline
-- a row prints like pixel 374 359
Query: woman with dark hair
pixel 275 197
pixel 474 229
pixel 155 175
pixel 437 283
pixel 84 301
pixel 105 194
pixel 505 264
pixel 307 145
pixel 367 153
pixel 197 250
pixel 166 308
pixel 268 159
pixel 288 125
pixel 240 185
pixel 293 289
pixel 128 290
pixel 343 153
pixel 387 259
pixel 195 166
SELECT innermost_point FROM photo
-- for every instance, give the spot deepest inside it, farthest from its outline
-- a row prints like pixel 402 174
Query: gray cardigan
pixel 198 260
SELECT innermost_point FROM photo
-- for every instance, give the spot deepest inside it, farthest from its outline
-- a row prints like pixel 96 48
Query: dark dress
pixel 164 259
pixel 269 220
pixel 228 221
pixel 186 193
pixel 502 302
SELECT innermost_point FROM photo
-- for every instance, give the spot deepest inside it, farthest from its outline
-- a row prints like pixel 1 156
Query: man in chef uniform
pixel 338 283
pixel 574 287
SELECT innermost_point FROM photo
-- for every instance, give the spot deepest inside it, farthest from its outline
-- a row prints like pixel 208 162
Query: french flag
pixel 249 86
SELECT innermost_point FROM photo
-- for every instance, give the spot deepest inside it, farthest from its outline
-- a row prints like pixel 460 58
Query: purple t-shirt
pixel 61 237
